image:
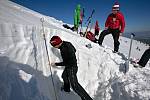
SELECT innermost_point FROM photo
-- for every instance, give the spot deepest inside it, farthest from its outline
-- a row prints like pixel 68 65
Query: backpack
pixel 90 36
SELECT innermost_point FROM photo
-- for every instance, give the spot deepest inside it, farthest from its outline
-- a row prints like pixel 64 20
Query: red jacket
pixel 115 21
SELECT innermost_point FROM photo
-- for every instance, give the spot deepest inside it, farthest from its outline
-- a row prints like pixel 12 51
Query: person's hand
pixel 106 28
pixel 53 64
pixel 120 34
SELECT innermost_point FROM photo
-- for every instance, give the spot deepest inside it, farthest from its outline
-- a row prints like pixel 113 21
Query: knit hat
pixel 55 40
pixel 116 6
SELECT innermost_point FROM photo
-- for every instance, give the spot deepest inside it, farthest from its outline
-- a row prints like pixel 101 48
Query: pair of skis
pixel 88 21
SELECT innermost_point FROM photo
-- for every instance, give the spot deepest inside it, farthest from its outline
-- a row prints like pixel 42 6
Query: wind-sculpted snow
pixel 24 69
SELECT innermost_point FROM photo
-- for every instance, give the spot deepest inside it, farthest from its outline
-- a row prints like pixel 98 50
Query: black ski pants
pixel 70 78
pixel 145 58
pixel 115 33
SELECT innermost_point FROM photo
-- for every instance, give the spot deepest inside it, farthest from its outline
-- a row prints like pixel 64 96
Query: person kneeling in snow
pixel 144 59
pixel 69 76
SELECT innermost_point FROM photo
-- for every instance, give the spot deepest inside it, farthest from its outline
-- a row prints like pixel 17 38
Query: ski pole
pixel 42 20
pixel 127 63
pixel 87 28
pixel 132 35
pixel 81 17
pixel 89 19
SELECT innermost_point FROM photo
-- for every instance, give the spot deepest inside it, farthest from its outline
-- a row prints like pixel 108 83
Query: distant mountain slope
pixel 140 36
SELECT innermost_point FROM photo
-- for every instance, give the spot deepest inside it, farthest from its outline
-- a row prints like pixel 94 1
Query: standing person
pixel 144 59
pixel 77 17
pixel 69 76
pixel 115 25
pixel 97 29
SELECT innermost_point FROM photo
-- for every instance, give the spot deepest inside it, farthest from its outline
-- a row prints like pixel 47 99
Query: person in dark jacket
pixel 69 76
pixel 144 59
pixel 115 25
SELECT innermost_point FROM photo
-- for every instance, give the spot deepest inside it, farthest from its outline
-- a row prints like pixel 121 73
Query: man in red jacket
pixel 114 25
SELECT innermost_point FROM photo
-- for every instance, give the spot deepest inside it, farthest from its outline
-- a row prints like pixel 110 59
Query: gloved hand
pixel 53 64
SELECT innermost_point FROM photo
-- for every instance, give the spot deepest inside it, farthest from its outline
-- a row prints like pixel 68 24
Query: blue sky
pixel 136 12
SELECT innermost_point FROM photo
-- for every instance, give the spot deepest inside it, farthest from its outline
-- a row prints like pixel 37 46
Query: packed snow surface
pixel 25 73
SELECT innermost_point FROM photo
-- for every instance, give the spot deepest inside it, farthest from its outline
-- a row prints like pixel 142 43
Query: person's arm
pixel 107 22
pixel 122 21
